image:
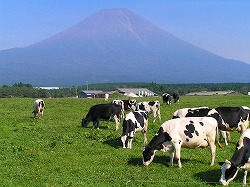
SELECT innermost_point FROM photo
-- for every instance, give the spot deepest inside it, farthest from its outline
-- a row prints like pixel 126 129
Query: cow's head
pixel 85 122
pixel 154 145
pixel 228 172
pixel 148 154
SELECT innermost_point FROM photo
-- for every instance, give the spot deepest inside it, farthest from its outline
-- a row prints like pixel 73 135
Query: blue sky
pixel 219 26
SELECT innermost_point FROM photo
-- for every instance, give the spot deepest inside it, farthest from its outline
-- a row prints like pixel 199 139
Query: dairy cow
pixel 104 112
pixel 121 103
pixel 176 97
pixel 38 108
pixel 230 118
pixel 239 160
pixel 191 112
pixel 150 107
pixel 166 98
pixel 176 133
pixel 134 122
pixel 129 104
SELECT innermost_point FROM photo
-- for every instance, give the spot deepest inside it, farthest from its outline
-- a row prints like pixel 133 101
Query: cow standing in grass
pixel 230 118
pixel 104 112
pixel 129 104
pixel 134 122
pixel 38 108
pixel 239 160
pixel 166 98
pixel 188 132
pixel 176 98
pixel 150 107
pixel 121 103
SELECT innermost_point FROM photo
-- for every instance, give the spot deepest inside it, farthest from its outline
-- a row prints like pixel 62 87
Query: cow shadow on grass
pixel 114 142
pixel 210 177
pixel 162 160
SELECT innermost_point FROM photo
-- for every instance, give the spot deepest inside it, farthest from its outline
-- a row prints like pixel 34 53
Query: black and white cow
pixel 104 112
pixel 38 108
pixel 166 98
pixel 129 104
pixel 239 160
pixel 191 112
pixel 136 121
pixel 230 118
pixel 188 132
pixel 176 97
pixel 150 107
pixel 121 103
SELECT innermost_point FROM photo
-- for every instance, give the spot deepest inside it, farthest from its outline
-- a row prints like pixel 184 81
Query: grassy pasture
pixel 56 151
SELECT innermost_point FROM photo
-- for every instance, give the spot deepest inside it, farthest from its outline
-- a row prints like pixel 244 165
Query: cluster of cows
pixel 188 128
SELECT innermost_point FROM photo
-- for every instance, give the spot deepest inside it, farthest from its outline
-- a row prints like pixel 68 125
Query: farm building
pixel 91 94
pixel 205 93
pixel 136 92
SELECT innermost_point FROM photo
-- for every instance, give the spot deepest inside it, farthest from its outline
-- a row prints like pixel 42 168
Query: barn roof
pixel 92 91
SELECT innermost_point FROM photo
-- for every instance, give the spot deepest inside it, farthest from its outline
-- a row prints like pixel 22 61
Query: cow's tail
pixel 217 138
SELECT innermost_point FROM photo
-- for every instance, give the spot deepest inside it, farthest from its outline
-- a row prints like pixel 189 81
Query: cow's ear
pixel 228 162
pixel 220 163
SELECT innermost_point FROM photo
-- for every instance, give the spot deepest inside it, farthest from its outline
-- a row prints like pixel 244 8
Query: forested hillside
pixel 27 90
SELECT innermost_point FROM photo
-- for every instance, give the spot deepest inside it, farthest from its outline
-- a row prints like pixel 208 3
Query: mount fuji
pixel 116 45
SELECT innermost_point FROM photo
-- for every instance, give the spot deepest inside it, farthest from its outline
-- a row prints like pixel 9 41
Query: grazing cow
pixel 230 118
pixel 239 160
pixel 166 98
pixel 151 106
pixel 188 132
pixel 176 97
pixel 121 103
pixel 129 104
pixel 191 112
pixel 38 108
pixel 102 111
pixel 134 122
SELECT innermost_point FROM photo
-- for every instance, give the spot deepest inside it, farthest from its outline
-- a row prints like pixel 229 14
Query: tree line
pixel 27 90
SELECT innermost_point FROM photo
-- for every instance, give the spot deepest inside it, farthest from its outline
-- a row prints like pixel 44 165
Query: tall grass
pixel 56 151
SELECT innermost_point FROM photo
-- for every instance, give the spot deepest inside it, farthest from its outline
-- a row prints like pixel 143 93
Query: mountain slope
pixel 114 45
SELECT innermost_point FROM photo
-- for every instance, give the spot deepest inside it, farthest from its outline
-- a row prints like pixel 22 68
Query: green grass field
pixel 56 151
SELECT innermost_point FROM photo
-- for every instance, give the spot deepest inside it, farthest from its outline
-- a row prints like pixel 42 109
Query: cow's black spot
pixel 196 132
pixel 190 130
pixel 187 140
pixel 179 141
pixel 201 123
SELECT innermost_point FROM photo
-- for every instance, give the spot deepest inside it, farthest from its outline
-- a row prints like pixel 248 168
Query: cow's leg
pixel 159 114
pixel 211 142
pixel 117 122
pixel 154 116
pixel 96 124
pixel 130 139
pixel 224 135
pixel 123 139
pixel 177 147
pixel 145 133
pixel 228 136
pixel 171 155
pixel 244 182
